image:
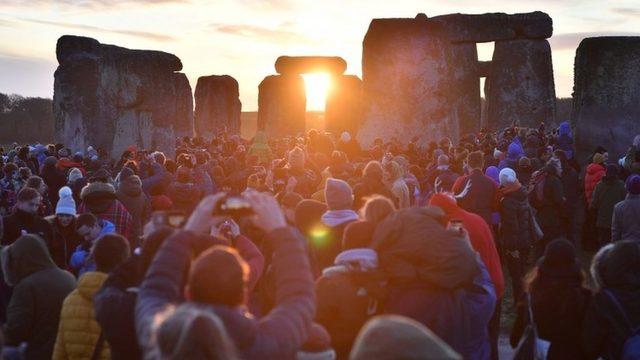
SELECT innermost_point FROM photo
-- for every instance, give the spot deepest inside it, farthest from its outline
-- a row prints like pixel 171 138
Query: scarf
pixel 362 259
pixel 334 218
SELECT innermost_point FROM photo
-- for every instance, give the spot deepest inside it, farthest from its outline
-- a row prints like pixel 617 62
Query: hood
pixel 107 227
pixel 520 194
pixel 98 196
pixel 444 201
pixel 494 173
pixel 131 187
pixel 594 169
pixel 90 283
pixel 25 256
pixel 514 152
pixel 565 129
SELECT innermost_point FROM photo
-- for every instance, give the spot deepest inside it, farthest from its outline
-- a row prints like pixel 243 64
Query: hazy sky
pixel 243 38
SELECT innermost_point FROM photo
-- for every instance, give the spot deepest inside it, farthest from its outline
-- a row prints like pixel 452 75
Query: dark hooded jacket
pixel 185 196
pixel 137 203
pixel 14 224
pixel 40 288
pixel 64 242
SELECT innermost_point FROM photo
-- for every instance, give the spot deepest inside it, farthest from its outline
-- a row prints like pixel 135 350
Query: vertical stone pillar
pixel 218 106
pixel 282 105
pixel 343 110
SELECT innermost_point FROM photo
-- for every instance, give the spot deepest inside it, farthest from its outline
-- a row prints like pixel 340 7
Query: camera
pixel 173 219
pixel 234 207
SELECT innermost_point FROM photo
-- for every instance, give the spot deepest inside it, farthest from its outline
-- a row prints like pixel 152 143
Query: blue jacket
pixel 565 139
pixel 278 335
pixel 79 257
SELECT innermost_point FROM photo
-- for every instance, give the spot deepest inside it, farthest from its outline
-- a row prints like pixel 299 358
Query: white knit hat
pixel 507 176
pixel 66 205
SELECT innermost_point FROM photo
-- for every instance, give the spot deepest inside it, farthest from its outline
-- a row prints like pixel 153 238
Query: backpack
pixel 631 346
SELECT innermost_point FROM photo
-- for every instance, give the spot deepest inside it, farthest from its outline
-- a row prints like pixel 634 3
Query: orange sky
pixel 243 38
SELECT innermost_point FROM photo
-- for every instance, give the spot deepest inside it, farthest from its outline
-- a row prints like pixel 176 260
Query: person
pixel 90 229
pixel 79 335
pixel 571 193
pixel 351 291
pixel 24 219
pixel 609 191
pixel 281 332
pixel 99 198
pixel 65 239
pixel 136 202
pixel 36 182
pixel 350 146
pixel 482 241
pixel 183 192
pixel 565 139
pixel 339 199
pixel 549 205
pixel 559 300
pixel 260 149
pixel 482 195
pixel 370 184
pixel 524 170
pixel 625 224
pixel 53 178
pixel 444 174
pixel 449 290
pixel 40 287
pixel 399 337
pixel 632 159
pixel 595 172
pixel 306 180
pixel 376 209
pixel 614 312
pixel 515 234
pixel 395 182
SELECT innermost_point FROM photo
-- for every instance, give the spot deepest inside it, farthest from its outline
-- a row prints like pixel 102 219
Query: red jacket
pixel 479 234
pixel 594 174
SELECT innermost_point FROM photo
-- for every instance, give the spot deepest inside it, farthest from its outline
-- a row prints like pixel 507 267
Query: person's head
pixel 597 265
pixel 559 264
pixel 358 234
pixel 399 337
pixel 109 251
pixel 633 184
pixel 620 266
pixel 598 158
pixel 443 160
pixel 524 163
pixel 189 332
pixel 392 171
pixel 36 182
pixel 218 277
pixel 377 208
pixel 159 157
pixel 9 169
pixel 507 177
pixel 29 200
pixel 296 159
pixel 373 170
pixel 66 207
pixel 289 201
pixel 338 194
pixel 74 174
pixel 88 227
pixel 307 216
pixel 184 175
pixel 475 160
pixel 24 173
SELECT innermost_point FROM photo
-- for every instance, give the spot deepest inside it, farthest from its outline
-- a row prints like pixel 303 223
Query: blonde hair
pixel 377 208
pixel 192 333
pixel 394 169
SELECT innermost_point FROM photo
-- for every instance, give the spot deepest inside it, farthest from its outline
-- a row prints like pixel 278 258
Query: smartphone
pixel 173 219
pixel 234 207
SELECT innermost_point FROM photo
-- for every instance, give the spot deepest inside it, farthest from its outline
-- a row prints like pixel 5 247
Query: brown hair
pixel 475 160
pixel 218 277
pixel 28 194
pixel 377 208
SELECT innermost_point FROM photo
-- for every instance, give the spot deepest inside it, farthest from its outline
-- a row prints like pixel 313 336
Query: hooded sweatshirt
pixel 40 289
pixel 137 203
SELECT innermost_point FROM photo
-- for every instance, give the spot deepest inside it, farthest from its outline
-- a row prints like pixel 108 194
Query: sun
pixel 317 86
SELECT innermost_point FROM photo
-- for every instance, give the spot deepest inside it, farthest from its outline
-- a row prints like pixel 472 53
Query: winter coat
pixel 347 295
pixel 481 197
pixel 446 177
pixel 632 160
pixel 32 224
pixel 278 335
pixel 552 205
pixel 79 331
pixel 565 139
pixel 203 181
pixel 571 191
pixel 79 259
pixel 55 179
pixel 185 196
pixel 158 181
pixel 137 203
pixel 516 225
pixel 307 182
pixel 595 173
pixel 480 236
pixel 100 199
pixel 40 288
pixel 63 242
pixel 625 224
pixel 606 195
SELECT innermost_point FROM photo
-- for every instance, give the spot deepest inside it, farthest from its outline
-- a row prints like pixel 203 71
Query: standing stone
pixel 606 94
pixel 308 64
pixel 520 84
pixel 218 106
pixel 282 105
pixel 411 87
pixel 110 97
pixel 343 110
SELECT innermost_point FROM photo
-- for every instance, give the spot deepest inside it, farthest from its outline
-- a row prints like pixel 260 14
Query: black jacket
pixel 515 224
pixel 32 224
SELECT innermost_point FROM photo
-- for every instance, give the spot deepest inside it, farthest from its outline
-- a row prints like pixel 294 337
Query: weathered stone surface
pixel 282 105
pixel 520 84
pixel 308 64
pixel 111 97
pixel 606 94
pixel 494 26
pixel 417 83
pixel 343 111
pixel 218 106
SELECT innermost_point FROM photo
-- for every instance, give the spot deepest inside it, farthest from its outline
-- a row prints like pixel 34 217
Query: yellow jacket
pixel 78 331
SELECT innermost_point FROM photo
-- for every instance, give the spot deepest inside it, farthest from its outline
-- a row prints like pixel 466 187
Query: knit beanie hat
pixel 338 194
pixel 524 162
pixel 633 184
pixel 296 158
pixel 507 176
pixel 598 158
pixel 358 234
pixel 399 337
pixel 66 205
pixel 74 175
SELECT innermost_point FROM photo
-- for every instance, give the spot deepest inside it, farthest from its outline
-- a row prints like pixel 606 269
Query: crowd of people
pixel 314 247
